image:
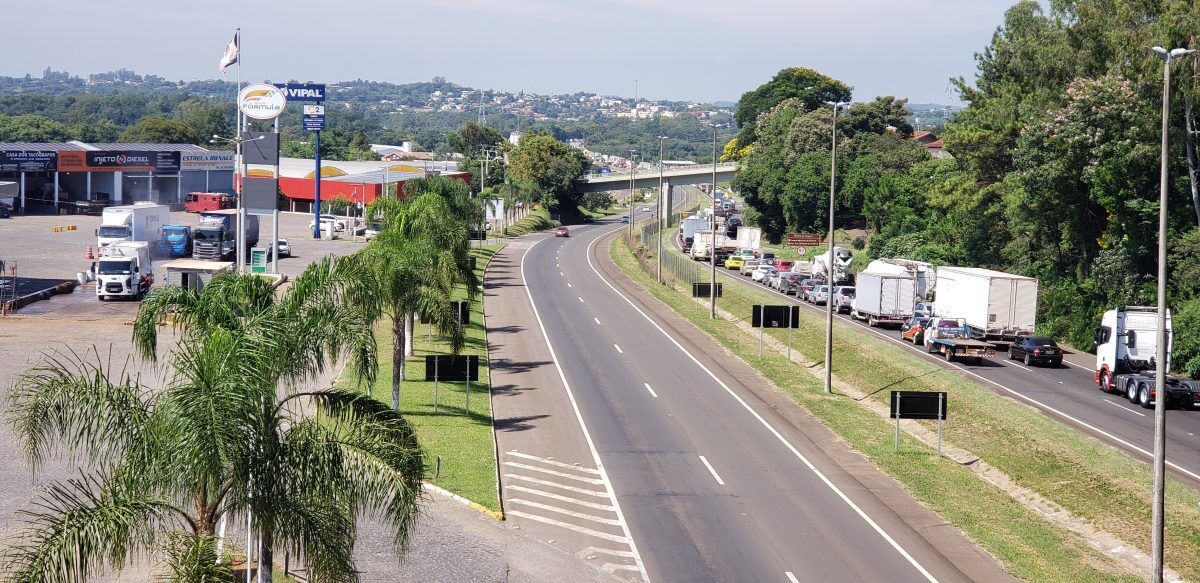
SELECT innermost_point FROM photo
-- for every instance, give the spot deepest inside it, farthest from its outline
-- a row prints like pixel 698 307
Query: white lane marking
pixel 618 347
pixel 712 471
pixel 597 550
pixel 560 498
pixel 613 567
pixel 550 462
pixel 571 513
pixel 579 529
pixel 561 273
pixel 597 321
pixel 1125 408
pixel 595 481
pixel 569 284
pixel 542 482
pixel 587 435
pixel 1036 403
pixel 580 299
pixel 652 393
pixel 829 483
pixel 791 578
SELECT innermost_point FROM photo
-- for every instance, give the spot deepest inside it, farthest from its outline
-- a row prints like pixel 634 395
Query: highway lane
pixel 713 484
pixel 1067 393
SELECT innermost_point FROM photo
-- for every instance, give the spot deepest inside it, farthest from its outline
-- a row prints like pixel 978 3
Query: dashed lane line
pixel 618 347
pixel 712 471
pixel 1120 406
pixel 652 393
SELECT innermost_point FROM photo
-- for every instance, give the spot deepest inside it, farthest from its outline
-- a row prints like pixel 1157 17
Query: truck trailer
pixel 997 306
pixel 142 221
pixel 881 298
pixel 1126 348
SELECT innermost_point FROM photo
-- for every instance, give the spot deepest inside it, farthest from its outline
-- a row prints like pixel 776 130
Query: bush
pixel 859 243
pixel 1185 347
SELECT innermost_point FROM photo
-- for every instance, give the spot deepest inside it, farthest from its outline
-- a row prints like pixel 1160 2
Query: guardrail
pixel 650 173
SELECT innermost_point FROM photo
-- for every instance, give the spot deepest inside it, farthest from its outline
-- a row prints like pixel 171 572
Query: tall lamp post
pixel 1160 365
pixel 712 245
pixel 837 105
pixel 662 200
pixel 632 175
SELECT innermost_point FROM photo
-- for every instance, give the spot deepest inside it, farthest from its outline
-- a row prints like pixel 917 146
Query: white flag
pixel 231 53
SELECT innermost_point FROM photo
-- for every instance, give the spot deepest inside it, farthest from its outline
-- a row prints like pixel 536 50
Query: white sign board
pixel 749 237
pixel 261 101
pixel 200 161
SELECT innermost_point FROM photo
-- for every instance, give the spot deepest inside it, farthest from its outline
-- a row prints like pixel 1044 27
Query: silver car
pixel 843 296
pixel 818 295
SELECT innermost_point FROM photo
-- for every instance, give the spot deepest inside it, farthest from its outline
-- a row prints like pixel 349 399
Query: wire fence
pixel 679 270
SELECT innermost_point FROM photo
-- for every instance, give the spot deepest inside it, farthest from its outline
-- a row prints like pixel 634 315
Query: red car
pixel 914 330
pixel 562 232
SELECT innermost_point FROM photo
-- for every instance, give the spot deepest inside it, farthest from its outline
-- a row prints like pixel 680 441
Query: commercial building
pixel 64 177
pixel 356 181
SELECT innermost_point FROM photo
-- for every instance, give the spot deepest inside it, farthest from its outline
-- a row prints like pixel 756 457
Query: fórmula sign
pixel 261 101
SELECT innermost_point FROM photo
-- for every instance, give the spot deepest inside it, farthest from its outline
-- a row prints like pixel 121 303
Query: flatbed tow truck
pixel 951 338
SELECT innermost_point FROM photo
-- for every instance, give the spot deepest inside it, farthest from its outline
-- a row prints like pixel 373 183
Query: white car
pixel 762 272
pixel 339 223
pixel 285 250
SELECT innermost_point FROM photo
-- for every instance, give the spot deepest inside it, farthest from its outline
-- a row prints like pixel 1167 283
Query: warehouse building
pixel 355 181
pixel 69 177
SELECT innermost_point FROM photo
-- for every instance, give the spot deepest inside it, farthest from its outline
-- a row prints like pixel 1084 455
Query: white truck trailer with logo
pixel 997 306
pixel 124 270
pixel 141 221
pixel 1126 349
pixel 882 298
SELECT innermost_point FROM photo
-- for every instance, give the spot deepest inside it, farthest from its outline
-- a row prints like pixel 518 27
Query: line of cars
pixel 786 277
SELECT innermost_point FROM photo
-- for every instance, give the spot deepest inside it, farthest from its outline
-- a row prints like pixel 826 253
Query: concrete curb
pixel 429 487
pixel 487 352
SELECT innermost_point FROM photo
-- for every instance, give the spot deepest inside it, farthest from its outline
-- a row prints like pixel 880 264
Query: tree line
pixel 1053 172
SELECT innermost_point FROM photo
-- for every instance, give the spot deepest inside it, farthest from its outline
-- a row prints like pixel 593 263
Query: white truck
pixel 1126 348
pixel 749 238
pixel 142 221
pixel 841 265
pixel 703 242
pixel 687 230
pixel 124 270
pixel 924 273
pixel 997 306
pixel 881 298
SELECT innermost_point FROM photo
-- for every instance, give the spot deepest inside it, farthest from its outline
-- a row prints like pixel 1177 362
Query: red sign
pixel 802 240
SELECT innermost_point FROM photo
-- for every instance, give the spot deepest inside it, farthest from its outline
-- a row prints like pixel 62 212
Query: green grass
pixel 538 219
pixel 600 214
pixel 463 439
pixel 1091 480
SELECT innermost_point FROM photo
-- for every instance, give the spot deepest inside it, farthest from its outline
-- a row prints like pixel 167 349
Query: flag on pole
pixel 231 53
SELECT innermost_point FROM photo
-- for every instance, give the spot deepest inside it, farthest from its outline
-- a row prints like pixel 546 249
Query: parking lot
pixel 31 246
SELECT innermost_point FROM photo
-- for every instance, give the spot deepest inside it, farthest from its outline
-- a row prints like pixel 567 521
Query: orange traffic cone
pixel 89 255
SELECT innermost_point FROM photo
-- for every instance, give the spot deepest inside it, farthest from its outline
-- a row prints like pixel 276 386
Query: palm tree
pixel 230 432
pixel 413 267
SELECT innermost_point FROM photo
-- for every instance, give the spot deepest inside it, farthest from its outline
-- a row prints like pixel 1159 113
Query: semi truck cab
pixel 1126 353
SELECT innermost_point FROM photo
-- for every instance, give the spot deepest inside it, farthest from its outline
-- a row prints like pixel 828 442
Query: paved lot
pixel 451 543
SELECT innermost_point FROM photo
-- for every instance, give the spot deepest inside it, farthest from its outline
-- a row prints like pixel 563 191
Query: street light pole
pixel 712 246
pixel 829 278
pixel 662 199
pixel 632 175
pixel 1160 365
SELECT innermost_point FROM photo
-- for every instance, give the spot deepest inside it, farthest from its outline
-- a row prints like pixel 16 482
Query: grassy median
pixel 461 437
pixel 1091 480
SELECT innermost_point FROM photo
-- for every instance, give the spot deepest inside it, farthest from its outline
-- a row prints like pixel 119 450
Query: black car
pixel 1036 350
pixel 734 221
pixel 588 219
pixel 5 211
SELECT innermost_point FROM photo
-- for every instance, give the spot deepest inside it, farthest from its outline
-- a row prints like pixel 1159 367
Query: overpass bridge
pixel 649 178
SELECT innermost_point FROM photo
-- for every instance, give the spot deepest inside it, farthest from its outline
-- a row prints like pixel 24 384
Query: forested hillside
pixel 1054 172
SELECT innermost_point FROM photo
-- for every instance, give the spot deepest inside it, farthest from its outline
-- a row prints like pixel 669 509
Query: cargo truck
pixel 124 270
pixel 687 231
pixel 996 306
pixel 881 298
pixel 177 240
pixel 198 202
pixel 142 221
pixel 215 238
pixel 951 338
pixel 1126 349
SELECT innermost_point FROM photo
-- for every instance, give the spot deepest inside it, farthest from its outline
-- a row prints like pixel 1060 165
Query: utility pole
pixel 829 279
pixel 662 200
pixel 632 176
pixel 1160 365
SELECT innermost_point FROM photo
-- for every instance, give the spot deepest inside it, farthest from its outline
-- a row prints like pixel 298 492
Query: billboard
pixel 118 160
pixel 312 92
pixel 201 161
pixel 261 101
pixel 28 161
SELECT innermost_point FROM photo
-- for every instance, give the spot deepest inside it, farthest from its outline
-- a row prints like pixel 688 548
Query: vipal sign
pixel 261 101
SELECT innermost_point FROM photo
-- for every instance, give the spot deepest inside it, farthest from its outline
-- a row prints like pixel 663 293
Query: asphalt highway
pixel 1067 393
pixel 714 480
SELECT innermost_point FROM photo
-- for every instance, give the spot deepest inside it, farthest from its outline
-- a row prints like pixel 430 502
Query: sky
pixel 702 50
